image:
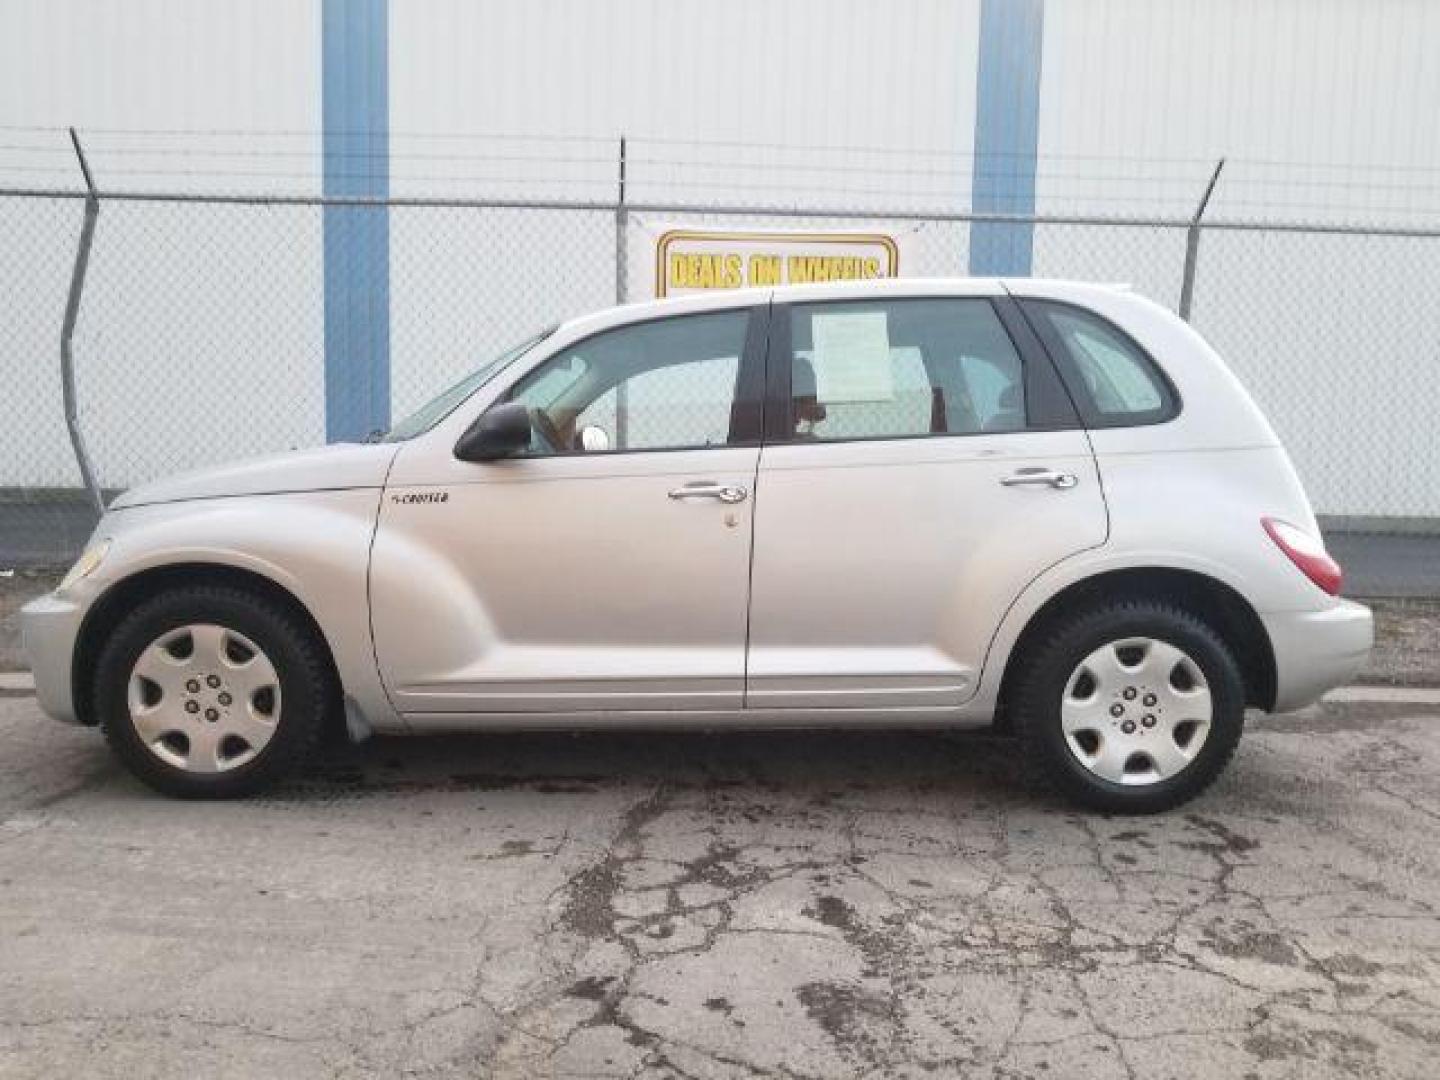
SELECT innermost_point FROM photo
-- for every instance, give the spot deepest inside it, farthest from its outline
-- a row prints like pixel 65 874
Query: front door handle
pixel 708 489
pixel 1040 477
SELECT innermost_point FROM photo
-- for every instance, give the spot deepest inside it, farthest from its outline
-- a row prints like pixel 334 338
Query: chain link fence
pixel 201 331
pixel 1337 334
pixel 43 516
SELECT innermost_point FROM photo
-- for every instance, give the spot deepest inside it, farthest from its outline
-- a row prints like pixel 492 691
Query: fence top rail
pixel 872 213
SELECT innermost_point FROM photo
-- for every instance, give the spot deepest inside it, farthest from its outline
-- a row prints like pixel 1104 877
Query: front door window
pixel 664 385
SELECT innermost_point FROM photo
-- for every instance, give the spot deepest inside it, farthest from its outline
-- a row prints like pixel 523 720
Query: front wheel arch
pixel 123 596
pixel 1213 601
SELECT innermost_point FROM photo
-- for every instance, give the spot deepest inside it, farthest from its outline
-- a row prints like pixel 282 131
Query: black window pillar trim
pixel 748 407
pixel 779 425
pixel 1049 404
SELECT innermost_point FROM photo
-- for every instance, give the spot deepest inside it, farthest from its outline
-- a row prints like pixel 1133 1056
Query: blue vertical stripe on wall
pixel 356 151
pixel 1007 122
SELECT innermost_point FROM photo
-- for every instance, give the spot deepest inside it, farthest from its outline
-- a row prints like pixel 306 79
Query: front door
pixel 920 469
pixel 607 569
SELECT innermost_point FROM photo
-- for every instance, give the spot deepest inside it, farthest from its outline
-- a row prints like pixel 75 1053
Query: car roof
pixel 724 299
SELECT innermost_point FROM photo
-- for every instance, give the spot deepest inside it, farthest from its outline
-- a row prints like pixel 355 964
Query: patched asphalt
pixel 788 905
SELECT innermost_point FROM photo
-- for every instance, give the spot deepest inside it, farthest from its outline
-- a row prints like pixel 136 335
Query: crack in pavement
pixel 786 906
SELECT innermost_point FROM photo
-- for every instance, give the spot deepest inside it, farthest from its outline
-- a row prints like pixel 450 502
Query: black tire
pixel 300 661
pixel 1044 674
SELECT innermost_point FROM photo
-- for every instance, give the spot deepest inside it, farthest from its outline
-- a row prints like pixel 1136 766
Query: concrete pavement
pixel 829 906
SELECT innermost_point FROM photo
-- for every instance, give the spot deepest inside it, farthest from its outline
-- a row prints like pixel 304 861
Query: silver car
pixel 1041 505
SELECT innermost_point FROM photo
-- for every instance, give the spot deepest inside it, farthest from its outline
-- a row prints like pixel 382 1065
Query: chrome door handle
pixel 1034 476
pixel 708 489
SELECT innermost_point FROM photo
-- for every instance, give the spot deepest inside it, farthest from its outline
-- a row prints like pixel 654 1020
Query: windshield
pixel 442 405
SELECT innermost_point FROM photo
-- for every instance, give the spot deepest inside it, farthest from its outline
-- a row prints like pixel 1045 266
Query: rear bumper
pixel 1316 651
pixel 49 626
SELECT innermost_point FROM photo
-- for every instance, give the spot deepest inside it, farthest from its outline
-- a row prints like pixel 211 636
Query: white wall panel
pixel 843 72
pixel 721 103
pixel 678 77
pixel 1325 110
pixel 1325 107
pixel 181 359
pixel 162 83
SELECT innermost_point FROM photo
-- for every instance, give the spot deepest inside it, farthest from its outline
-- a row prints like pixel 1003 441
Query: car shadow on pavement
pixel 983 766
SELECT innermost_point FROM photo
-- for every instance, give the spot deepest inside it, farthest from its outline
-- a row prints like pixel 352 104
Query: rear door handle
pixel 709 489
pixel 1039 477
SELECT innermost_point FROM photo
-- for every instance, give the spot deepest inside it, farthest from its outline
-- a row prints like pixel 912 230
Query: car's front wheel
pixel 1135 706
pixel 211 691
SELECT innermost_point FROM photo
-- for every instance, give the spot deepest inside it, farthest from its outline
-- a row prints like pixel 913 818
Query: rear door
pixel 922 465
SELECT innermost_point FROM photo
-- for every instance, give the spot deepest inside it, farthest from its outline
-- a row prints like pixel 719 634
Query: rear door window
pixel 903 368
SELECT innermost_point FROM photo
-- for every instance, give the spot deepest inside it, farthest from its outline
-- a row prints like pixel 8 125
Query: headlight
pixel 84 566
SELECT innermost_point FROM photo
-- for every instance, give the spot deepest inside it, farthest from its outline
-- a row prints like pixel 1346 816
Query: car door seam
pixel 755 506
pixel 369 585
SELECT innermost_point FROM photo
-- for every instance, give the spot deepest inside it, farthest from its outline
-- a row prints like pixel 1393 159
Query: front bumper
pixel 49 627
pixel 1316 651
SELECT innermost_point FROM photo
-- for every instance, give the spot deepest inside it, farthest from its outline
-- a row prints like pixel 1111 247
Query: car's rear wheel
pixel 211 692
pixel 1135 706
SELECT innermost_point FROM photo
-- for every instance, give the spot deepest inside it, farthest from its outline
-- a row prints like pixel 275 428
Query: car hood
pixel 325 468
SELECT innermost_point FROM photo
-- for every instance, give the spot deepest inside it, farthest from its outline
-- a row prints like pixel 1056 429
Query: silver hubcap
pixel 204 698
pixel 1136 711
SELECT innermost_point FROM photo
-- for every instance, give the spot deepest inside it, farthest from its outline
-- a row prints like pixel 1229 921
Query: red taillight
pixel 1306 552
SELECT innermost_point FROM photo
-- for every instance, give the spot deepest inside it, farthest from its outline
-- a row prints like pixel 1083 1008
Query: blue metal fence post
pixel 356 152
pixel 1007 123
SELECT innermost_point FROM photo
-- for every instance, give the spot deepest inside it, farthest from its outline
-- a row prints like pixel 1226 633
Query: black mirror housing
pixel 496 433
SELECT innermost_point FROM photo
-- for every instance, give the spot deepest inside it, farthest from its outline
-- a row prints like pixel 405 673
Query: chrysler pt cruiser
pixel 1040 505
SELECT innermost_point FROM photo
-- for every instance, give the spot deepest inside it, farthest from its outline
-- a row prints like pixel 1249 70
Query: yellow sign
pixel 696 260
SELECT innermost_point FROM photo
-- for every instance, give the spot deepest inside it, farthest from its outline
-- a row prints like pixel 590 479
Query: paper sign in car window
pixel 852 356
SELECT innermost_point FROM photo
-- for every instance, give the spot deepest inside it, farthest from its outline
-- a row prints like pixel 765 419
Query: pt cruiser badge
pixel 406 497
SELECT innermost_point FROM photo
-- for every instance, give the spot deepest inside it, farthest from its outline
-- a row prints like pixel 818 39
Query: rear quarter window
pixel 1114 381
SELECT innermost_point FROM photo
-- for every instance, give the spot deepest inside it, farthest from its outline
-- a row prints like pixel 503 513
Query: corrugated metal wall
pixel 177 95
pixel 835 72
pixel 1321 105
pixel 1324 109
pixel 1293 91
pixel 150 67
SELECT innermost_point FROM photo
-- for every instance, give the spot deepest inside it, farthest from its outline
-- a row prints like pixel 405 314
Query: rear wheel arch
pixel 1212 600
pixel 125 595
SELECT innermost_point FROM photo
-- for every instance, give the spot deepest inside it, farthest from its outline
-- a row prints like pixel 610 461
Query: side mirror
pixel 498 433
